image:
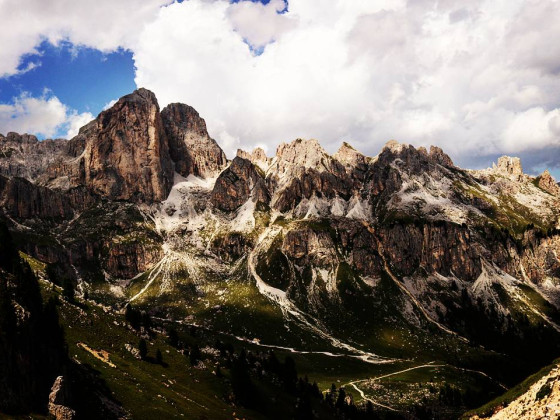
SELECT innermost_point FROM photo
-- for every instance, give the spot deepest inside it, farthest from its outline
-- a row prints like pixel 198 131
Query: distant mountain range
pixel 397 263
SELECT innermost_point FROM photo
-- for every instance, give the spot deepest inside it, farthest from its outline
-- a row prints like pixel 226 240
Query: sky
pixel 479 79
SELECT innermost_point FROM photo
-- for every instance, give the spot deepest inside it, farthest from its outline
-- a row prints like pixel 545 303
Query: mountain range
pixel 423 289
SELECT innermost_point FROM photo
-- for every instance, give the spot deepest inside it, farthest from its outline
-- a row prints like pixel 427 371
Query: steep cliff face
pixel 237 184
pixel 23 199
pixel 442 248
pixel 127 158
pixel 191 148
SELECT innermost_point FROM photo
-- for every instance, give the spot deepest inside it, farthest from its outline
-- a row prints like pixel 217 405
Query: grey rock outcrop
pixel 257 156
pixel 440 157
pixel 548 183
pixel 237 184
pixel 303 169
pixel 24 156
pixel 509 166
pixel 190 147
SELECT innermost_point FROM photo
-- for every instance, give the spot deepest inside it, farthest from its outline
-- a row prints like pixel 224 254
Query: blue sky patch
pixel 84 79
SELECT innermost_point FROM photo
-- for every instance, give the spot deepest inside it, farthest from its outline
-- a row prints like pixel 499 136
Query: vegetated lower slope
pixel 435 286
pixel 33 351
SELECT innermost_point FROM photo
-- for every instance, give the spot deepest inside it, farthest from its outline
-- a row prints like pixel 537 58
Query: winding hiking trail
pixel 423 366
pixel 367 398
pixel 270 346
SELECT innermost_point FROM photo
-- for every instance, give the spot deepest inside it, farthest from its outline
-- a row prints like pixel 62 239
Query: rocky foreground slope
pixel 419 256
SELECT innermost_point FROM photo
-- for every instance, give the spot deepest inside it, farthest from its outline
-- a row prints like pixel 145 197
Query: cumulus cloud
pixel 478 79
pixel 75 121
pixel 102 24
pixel 45 116
pixel 474 79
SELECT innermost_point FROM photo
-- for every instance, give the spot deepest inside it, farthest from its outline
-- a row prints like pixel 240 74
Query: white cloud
pixel 532 129
pixel 102 24
pixel 425 72
pixel 45 116
pixel 75 121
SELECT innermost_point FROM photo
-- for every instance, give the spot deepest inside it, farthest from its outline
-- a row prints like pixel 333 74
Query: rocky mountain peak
pixel 257 157
pixel 140 95
pixel 509 166
pixel 259 154
pixel 190 147
pixel 12 137
pixel 185 117
pixel 394 146
pixel 127 155
pixel 439 156
pixel 548 183
pixel 301 153
pixel 349 156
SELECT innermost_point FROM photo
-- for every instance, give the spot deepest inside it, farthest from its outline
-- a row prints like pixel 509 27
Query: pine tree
pixel 341 400
pixel 330 397
pixel 316 391
pixel 173 337
pixel 243 388
pixel 68 290
pixel 290 374
pixel 194 355
pixel 143 349
pixel 132 316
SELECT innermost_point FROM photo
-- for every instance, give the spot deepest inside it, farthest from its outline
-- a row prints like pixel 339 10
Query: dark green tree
pixel 290 376
pixel 143 349
pixel 68 290
pixel 194 355
pixel 173 337
pixel 133 317
pixel 243 387
pixel 341 400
